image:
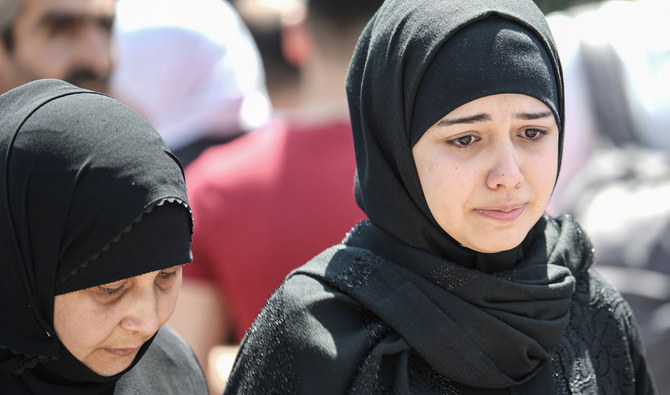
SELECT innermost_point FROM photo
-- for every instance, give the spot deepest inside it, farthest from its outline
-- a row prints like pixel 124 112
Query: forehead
pixel 503 101
pixel 32 11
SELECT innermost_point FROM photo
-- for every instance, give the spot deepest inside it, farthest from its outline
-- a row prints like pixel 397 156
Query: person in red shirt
pixel 268 201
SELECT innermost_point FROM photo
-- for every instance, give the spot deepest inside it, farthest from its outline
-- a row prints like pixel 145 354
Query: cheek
pixel 80 327
pixel 167 301
pixel 446 188
pixel 543 173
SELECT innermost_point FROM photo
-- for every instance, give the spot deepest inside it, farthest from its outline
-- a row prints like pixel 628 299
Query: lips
pixel 122 351
pixel 507 214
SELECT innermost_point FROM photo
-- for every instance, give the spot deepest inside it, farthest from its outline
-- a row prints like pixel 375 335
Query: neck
pixel 322 92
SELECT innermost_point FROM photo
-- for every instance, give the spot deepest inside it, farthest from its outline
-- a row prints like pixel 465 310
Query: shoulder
pixel 602 338
pixel 597 300
pixel 312 305
pixel 595 291
pixel 308 331
pixel 170 357
pixel 170 347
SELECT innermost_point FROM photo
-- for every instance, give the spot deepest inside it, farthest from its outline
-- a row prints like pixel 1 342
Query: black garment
pixel 170 356
pixel 353 321
pixel 89 194
pixel 400 306
pixel 633 252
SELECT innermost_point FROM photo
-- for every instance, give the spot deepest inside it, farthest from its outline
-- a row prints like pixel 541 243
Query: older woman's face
pixel 487 169
pixel 105 326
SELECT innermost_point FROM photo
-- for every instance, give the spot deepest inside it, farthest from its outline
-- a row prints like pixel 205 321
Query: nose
pixel 505 171
pixel 142 313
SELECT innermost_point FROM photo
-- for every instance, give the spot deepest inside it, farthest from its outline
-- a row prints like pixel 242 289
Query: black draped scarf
pixel 479 320
pixel 415 62
pixel 375 315
pixel 478 329
pixel 89 194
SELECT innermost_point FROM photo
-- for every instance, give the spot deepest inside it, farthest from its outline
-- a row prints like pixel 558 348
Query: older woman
pixel 94 229
pixel 459 283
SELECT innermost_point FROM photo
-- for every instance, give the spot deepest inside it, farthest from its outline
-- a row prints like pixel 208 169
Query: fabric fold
pixel 444 310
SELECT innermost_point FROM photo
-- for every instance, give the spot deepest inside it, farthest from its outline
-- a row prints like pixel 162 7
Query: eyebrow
pixel 531 116
pixel 470 119
pixel 59 17
pixel 56 17
pixel 485 117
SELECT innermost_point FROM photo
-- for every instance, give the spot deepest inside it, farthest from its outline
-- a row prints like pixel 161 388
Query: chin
pixel 112 367
pixel 112 370
pixel 493 246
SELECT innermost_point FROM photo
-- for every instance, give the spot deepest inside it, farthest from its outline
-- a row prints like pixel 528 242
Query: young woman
pixel 94 229
pixel 458 283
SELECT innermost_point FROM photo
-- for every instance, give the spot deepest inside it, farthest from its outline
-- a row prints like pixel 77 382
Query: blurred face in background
pixel 69 40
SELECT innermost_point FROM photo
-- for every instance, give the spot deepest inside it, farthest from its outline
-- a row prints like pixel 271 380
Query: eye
pixel 112 288
pixel 106 23
pixel 167 277
pixel 112 291
pixel 533 134
pixel 463 141
pixel 63 27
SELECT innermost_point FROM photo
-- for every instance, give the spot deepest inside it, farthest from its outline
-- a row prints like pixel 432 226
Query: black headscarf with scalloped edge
pixel 89 194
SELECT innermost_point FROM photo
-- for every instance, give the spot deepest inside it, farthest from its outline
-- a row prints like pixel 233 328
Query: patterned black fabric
pixel 318 334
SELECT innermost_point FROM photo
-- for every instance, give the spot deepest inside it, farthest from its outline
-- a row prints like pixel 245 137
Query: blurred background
pixel 249 83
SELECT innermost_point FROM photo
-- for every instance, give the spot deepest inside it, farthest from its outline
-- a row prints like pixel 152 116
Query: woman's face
pixel 105 326
pixel 487 169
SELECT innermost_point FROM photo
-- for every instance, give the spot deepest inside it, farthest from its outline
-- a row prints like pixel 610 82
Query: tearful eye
pixel 463 141
pixel 533 134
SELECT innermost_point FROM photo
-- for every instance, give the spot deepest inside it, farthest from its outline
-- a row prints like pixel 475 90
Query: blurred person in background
pixel 191 69
pixel 69 40
pixel 274 198
pixel 616 174
pixel 266 20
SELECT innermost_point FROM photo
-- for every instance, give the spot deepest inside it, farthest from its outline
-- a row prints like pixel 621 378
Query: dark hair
pixel 343 13
pixel 337 24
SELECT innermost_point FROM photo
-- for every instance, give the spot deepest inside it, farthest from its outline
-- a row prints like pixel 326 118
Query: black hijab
pixel 89 194
pixel 415 62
